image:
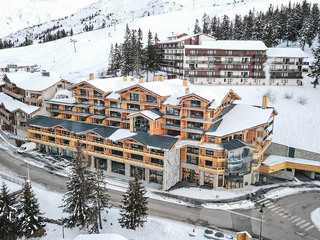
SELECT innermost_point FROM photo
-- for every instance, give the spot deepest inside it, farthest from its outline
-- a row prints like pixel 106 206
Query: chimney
pixel 142 80
pixel 132 79
pixel 161 78
pixel 124 79
pixel 187 90
pixel 265 101
pixel 91 76
pixel 155 78
pixel 185 82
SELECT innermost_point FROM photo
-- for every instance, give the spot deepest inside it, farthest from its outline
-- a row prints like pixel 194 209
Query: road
pixel 275 225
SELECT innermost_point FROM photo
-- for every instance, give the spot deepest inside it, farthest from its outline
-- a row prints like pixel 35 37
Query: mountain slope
pixel 19 14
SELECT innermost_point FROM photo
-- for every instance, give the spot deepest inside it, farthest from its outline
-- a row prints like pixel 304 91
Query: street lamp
pixel 261 212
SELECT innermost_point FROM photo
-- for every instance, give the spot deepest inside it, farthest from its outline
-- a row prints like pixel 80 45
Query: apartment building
pixel 202 59
pixel 33 88
pixel 225 62
pixel 173 51
pixel 286 66
pixel 168 130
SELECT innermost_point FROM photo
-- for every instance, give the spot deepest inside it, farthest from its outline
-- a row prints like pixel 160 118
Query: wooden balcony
pixel 13 94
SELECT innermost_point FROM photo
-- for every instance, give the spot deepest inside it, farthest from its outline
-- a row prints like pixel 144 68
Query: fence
pixel 11 179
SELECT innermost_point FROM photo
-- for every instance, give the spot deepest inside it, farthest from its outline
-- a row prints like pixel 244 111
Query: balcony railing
pixel 193 106
pixel 13 94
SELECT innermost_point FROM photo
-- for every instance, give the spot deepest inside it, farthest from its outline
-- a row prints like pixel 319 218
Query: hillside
pixel 104 13
pixel 295 124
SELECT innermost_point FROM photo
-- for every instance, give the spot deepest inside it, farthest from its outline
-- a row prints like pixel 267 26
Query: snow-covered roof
pixel 113 95
pixel 121 134
pixel 109 236
pixel 286 52
pixel 63 96
pixel 151 114
pixel 33 81
pixel 274 160
pixel 13 105
pixel 231 45
pixel 239 118
pixel 194 143
pixel 178 39
pixel 112 84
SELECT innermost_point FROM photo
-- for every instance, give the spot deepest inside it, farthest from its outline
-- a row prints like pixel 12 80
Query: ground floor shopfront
pixel 146 174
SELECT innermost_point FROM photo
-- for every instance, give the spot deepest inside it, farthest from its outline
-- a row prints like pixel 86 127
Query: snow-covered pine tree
pixel 225 28
pixel 111 68
pixel 31 220
pixel 205 24
pixel 237 28
pixel 315 67
pixel 248 26
pixel 148 55
pixel 117 58
pixel 77 200
pixel 157 54
pixel 100 194
pixel 197 28
pixel 139 51
pixel 9 227
pixel 315 15
pixel 134 205
pixel 214 27
pixel 127 66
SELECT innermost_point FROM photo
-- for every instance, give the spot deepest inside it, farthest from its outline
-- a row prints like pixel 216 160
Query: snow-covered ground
pixel 155 228
pixel 315 216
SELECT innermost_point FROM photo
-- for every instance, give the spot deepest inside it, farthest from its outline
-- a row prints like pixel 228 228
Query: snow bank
pixel 315 217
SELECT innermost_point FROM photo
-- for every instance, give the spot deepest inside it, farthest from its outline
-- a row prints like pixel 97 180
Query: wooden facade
pixel 137 108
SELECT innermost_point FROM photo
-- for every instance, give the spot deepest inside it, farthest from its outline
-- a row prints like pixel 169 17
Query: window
pixel 192 160
pixel 209 152
pixel 195 103
pixel 134 97
pixel 238 136
pixel 172 111
pixel 151 99
pixel 141 124
pixel 209 73
pixel 210 51
pixel 193 150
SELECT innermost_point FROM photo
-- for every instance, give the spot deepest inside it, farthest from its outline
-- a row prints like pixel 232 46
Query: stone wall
pixel 171 172
pixel 283 150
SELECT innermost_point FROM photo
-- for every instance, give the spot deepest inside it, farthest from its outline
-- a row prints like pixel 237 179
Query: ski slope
pixel 295 125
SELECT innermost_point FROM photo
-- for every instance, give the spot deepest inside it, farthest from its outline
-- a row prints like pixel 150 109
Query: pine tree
pixel 205 24
pixel 111 68
pixel 197 28
pixel 77 200
pixel 100 194
pixel 225 28
pixel 31 220
pixel 315 67
pixel 148 56
pixel 157 54
pixel 237 29
pixel 134 205
pixel 9 227
pixel 214 27
pixel 139 50
pixel 127 66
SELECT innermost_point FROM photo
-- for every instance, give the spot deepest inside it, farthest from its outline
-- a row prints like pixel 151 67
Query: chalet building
pixel 12 67
pixel 14 115
pixel 202 59
pixel 32 88
pixel 286 66
pixel 169 131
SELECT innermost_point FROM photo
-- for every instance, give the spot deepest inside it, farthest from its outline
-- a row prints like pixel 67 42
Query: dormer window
pixel 134 97
pixel 195 103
